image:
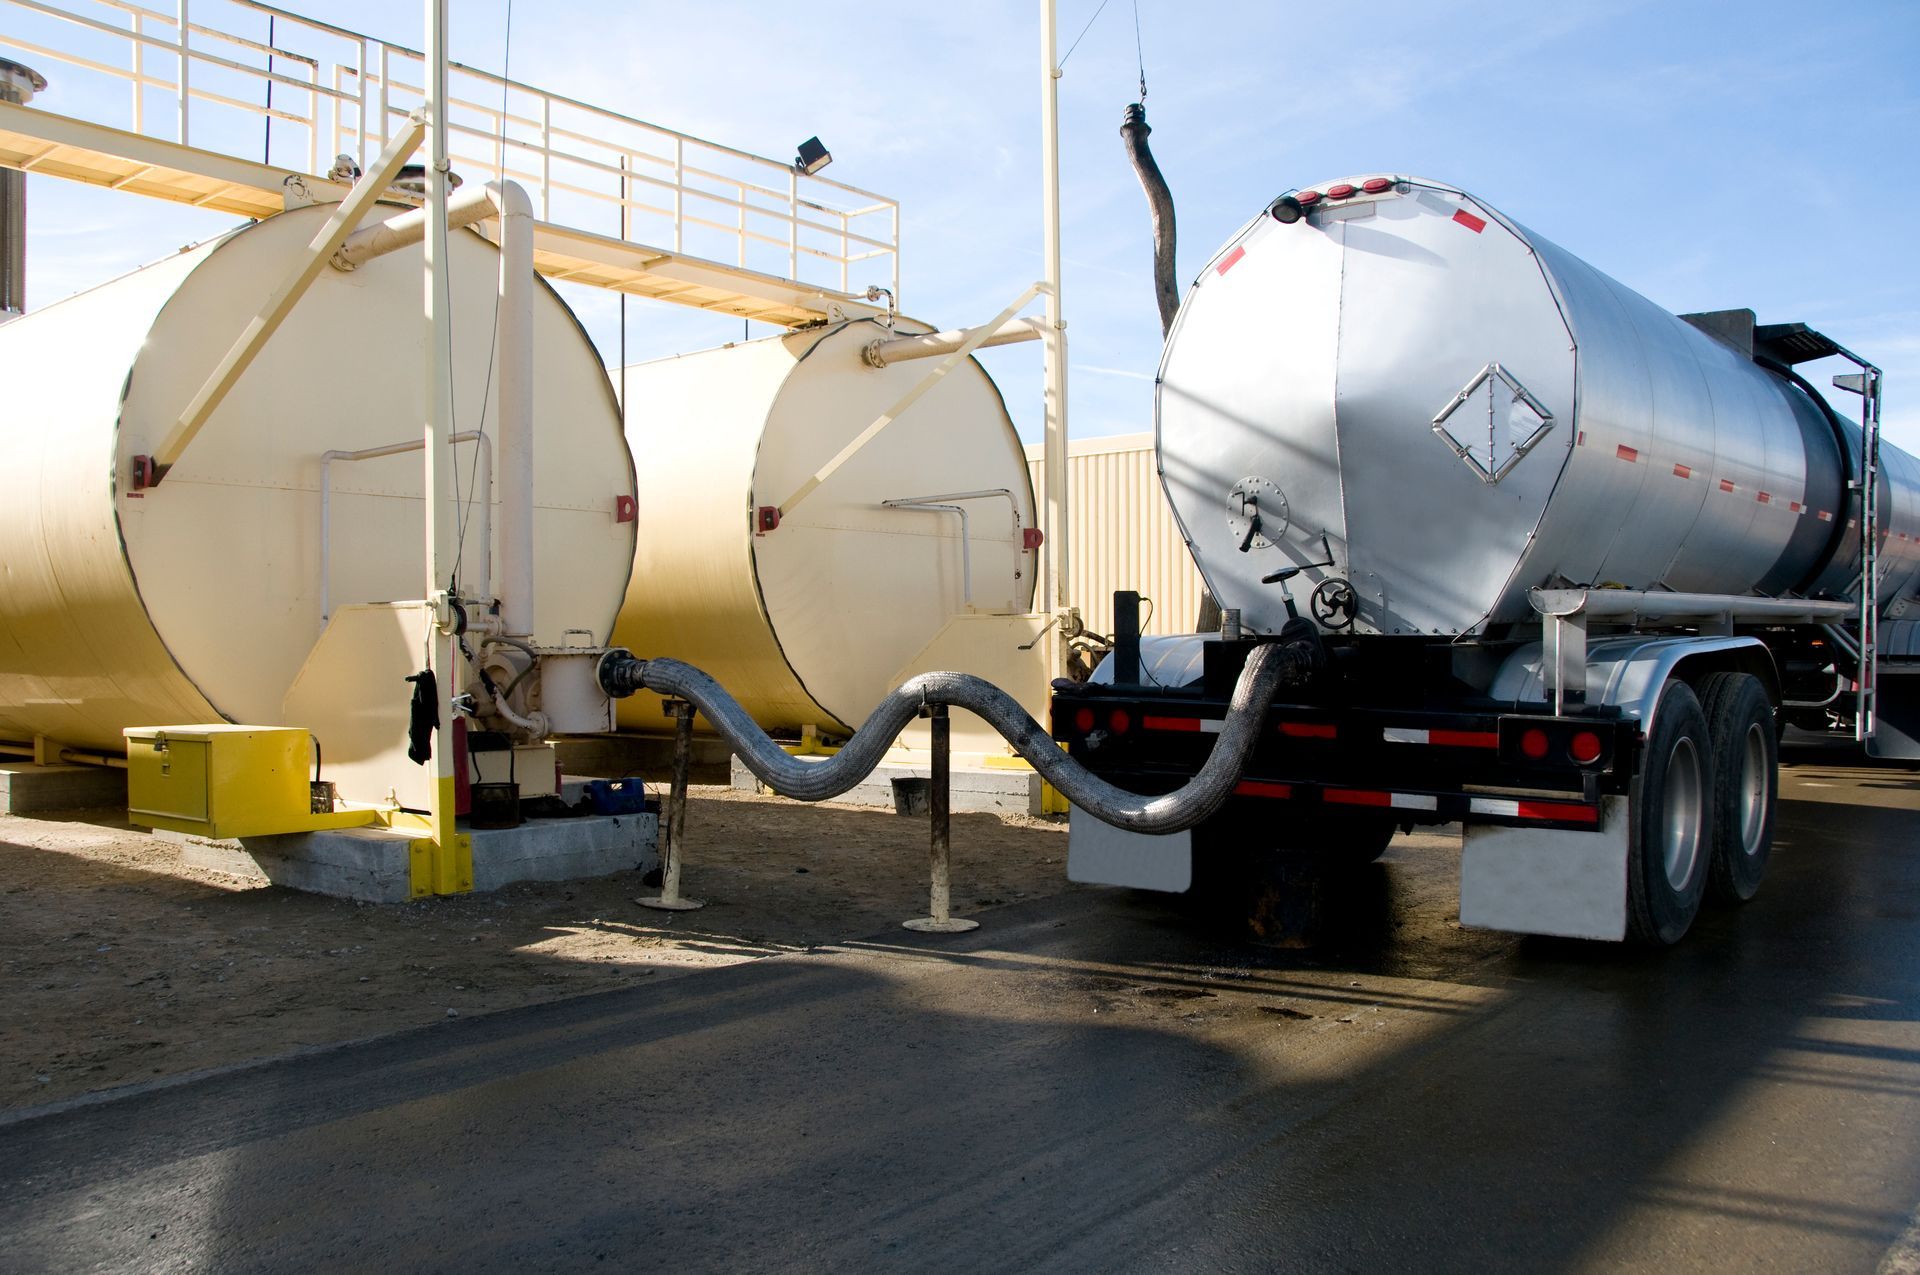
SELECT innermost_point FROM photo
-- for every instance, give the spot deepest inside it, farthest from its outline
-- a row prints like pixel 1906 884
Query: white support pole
pixel 1055 448
pixel 515 360
pixel 442 534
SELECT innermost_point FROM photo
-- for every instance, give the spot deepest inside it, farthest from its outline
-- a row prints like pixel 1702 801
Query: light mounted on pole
pixel 812 158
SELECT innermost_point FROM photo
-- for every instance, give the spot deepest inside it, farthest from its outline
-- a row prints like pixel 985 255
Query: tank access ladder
pixel 1792 343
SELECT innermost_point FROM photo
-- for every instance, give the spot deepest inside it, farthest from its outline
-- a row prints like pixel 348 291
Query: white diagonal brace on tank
pixel 253 338
pixel 977 337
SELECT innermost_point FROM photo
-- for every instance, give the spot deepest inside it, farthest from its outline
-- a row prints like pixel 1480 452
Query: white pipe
pixel 535 725
pixel 931 344
pixel 966 540
pixel 483 495
pixel 472 205
pixel 509 202
pixel 1636 604
pixel 516 591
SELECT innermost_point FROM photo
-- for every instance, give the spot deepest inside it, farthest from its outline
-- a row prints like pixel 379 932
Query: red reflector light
pixel 1585 748
pixel 1119 721
pixel 1309 730
pixel 1083 720
pixel 1342 191
pixel 1374 185
pixel 1307 198
pixel 1534 743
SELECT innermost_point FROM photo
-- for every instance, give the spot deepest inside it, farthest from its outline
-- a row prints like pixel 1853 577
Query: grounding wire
pixel 486 386
pixel 1139 52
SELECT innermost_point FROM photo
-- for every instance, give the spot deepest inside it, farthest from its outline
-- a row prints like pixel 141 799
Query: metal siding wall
pixel 1122 534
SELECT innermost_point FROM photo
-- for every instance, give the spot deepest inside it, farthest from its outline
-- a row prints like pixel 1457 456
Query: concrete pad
pixel 27 789
pixel 372 864
pixel 972 789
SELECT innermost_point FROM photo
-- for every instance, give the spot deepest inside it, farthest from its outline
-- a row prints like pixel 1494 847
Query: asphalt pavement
pixel 1095 1082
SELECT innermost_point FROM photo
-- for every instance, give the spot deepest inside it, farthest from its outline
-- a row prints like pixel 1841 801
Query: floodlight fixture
pixel 812 157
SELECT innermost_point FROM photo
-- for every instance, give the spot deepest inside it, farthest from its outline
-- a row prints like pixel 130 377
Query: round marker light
pixel 1342 191
pixel 1083 721
pixel 1119 721
pixel 1585 748
pixel 1374 185
pixel 1533 743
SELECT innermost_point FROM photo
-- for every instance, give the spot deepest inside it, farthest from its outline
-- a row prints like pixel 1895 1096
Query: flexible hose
pixel 1267 668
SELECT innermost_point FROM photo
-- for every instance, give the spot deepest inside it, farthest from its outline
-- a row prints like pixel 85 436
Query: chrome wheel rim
pixel 1752 793
pixel 1681 810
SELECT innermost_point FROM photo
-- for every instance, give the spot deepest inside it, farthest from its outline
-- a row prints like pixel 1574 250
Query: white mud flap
pixel 1101 854
pixel 1545 881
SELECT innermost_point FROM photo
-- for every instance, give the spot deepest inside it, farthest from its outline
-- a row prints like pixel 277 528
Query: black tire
pixel 1746 785
pixel 1671 835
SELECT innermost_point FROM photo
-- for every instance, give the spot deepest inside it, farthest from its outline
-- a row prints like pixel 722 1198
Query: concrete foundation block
pixel 27 789
pixel 971 789
pixel 372 865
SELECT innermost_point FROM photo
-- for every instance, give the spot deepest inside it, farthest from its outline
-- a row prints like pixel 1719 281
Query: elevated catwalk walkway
pixel 175 107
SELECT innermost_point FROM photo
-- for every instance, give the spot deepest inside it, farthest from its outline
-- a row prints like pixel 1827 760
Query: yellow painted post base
pixel 810 744
pixel 1051 801
pixel 441 869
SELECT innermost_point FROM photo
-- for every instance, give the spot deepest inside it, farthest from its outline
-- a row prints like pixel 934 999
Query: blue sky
pixel 1708 155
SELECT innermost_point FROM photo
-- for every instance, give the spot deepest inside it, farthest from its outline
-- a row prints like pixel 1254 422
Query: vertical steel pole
pixel 1056 327
pixel 673 837
pixel 442 538
pixel 940 839
pixel 180 17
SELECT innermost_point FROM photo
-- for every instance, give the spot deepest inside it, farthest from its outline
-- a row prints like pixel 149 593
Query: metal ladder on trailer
pixel 1793 343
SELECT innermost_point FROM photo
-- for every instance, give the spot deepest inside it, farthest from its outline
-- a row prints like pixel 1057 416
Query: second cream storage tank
pixel 809 622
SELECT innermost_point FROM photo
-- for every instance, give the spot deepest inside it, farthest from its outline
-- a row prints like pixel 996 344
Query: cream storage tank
pixel 200 598
pixel 810 619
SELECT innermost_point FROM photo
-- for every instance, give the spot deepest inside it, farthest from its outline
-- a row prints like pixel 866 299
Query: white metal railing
pixel 224 75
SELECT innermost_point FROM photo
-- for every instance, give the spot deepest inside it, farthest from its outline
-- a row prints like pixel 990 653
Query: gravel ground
pixel 119 964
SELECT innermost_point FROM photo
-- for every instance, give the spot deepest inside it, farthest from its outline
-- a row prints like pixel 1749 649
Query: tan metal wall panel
pixel 1121 533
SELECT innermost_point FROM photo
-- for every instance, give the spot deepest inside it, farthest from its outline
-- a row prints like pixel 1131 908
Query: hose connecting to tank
pixel 1269 667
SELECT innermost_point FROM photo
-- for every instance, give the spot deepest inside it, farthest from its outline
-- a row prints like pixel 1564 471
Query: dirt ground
pixel 118 964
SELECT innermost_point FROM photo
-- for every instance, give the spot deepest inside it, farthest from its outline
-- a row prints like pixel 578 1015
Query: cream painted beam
pixel 265 323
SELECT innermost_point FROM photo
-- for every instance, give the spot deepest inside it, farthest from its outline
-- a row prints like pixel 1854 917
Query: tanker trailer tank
pixel 1389 384
pixel 129 604
pixel 807 601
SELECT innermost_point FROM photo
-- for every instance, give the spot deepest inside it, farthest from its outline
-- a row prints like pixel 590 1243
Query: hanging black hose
pixel 1166 289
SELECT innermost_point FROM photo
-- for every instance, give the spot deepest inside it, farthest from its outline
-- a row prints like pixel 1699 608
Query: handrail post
pixel 180 16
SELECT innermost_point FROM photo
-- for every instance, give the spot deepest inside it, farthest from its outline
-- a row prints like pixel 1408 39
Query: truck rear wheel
pixel 1672 821
pixel 1746 768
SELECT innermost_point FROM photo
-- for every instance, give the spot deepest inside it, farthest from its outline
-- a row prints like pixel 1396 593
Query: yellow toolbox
pixel 226 781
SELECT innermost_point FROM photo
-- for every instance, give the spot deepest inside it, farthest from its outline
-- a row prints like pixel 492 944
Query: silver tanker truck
pixel 1571 560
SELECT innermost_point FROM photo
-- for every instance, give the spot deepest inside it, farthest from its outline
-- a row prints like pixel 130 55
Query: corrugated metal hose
pixel 1268 667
